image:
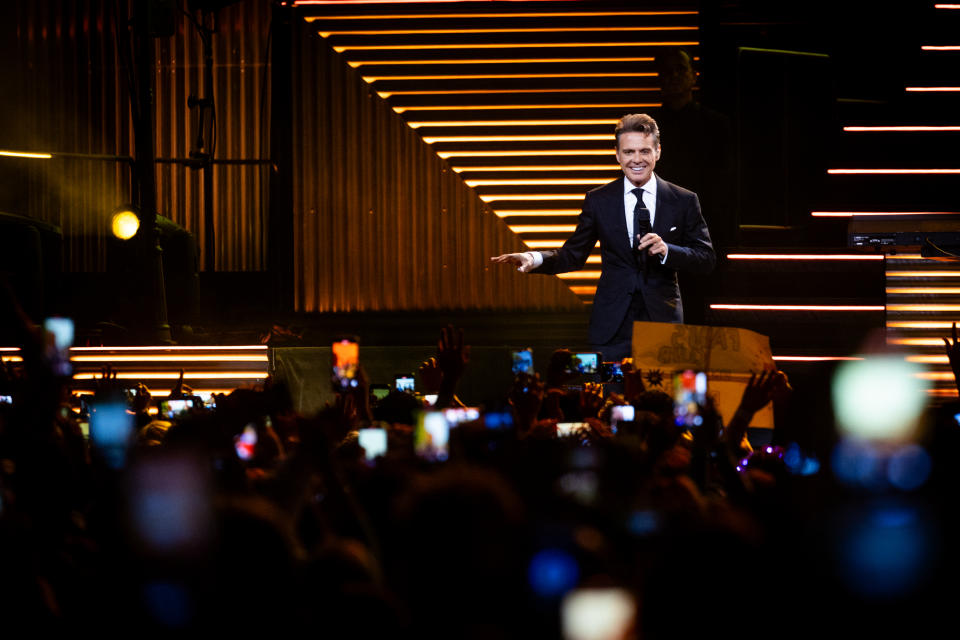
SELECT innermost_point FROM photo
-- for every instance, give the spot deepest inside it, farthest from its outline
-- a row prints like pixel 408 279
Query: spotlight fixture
pixel 126 222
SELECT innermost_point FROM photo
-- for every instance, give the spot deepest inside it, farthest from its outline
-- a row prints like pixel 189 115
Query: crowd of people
pixel 248 517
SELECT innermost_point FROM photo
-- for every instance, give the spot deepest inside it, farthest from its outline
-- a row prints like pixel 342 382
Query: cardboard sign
pixel 727 354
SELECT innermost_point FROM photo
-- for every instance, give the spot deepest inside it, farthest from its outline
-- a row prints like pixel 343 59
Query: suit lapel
pixel 613 193
pixel 665 208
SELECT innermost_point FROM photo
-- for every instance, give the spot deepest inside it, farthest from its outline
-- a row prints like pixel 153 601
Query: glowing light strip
pixel 11 359
pixel 547 244
pixel 905 256
pixel 575 14
pixel 514 45
pixel 923 290
pixel 593 260
pixel 501 76
pixel 159 393
pixel 25 154
pixel 917 342
pixel 935 376
pixel 933 88
pixel 563 167
pixel 796 307
pixel 451 92
pixel 529 153
pixel 9 348
pixel 891 171
pixel 169 358
pixel 175 348
pixel 919 324
pixel 930 47
pixel 923 274
pixel 551 138
pixel 580 275
pixel 552 213
pixel 584 290
pixel 906 128
pixel 491 197
pixel 802 256
pixel 923 307
pixel 371 63
pixel 542 228
pixel 419 32
pixel 189 375
pixel 814 358
pixel 942 393
pixel 854 214
pixel 507 107
pixel 342 2
pixel 508 123
pixel 536 181
pixel 946 6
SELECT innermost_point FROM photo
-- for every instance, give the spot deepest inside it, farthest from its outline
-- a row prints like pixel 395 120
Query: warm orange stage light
pixel 923 307
pixel 537 181
pixel 25 154
pixel 491 197
pixel 568 167
pixel 923 274
pixel 919 324
pixel 891 171
pixel 501 76
pixel 451 92
pixel 252 347
pixel 796 307
pixel 515 45
pixel 584 290
pixel 370 63
pixel 530 153
pixel 917 342
pixel 924 290
pixel 410 32
pixel 551 213
pixel 509 123
pixel 580 275
pixel 170 358
pixel 542 228
pixel 541 138
pixel 802 256
pixel 506 107
pixel 546 244
pixel 574 14
pixel 814 358
pixel 922 89
pixel 906 128
pixel 930 47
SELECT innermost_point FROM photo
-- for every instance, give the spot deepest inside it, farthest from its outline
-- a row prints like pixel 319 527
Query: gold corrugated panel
pixel 380 221
pixel 66 91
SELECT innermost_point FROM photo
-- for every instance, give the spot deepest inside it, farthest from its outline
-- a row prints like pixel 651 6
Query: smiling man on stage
pixel 648 228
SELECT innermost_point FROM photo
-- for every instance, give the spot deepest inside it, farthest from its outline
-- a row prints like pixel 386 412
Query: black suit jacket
pixel 677 220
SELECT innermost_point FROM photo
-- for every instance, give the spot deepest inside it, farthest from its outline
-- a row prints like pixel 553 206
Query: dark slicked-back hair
pixel 638 123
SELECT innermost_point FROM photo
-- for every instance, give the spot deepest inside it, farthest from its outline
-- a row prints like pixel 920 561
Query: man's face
pixel 637 154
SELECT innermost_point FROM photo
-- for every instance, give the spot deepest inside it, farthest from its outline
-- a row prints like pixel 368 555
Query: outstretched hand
pixel 523 261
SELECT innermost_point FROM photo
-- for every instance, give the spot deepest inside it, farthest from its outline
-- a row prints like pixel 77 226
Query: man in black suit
pixel 642 244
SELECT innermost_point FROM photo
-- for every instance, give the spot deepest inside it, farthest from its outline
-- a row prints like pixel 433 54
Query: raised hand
pixel 430 375
pixel 523 261
pixel 591 399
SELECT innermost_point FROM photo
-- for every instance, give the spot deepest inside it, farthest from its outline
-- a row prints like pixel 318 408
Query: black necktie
pixel 641 227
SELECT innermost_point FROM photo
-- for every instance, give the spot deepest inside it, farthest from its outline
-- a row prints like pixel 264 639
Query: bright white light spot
pixel 125 224
pixel 878 398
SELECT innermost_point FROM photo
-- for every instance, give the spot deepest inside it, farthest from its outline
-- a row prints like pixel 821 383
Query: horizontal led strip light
pixel 371 63
pixel 25 154
pixel 418 32
pixel 501 76
pixel 923 274
pixel 802 256
pixel 256 347
pixel 457 92
pixel 170 358
pixel 515 45
pixel 923 307
pixel 796 307
pixel 511 123
pixel 189 375
pixel 892 171
pixel 919 324
pixel 493 197
pixel 906 128
pixel 509 107
pixel 854 214
pixel 917 342
pixel 814 358
pixel 544 138
pixel 533 153
pixel 536 182
pixel 580 275
pixel 932 47
pixel 585 290
pixel 542 228
pixel 925 89
pixel 551 213
pixel 562 167
pixel 924 290
pixel 551 244
pixel 572 14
